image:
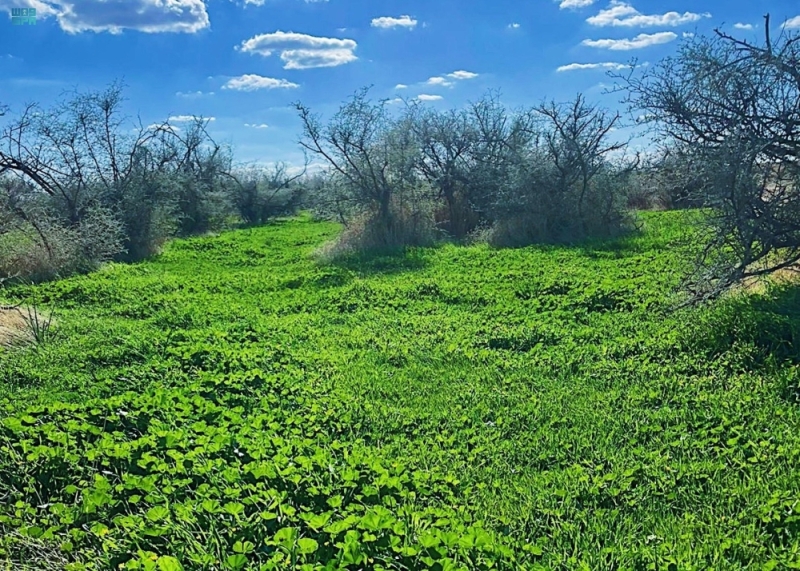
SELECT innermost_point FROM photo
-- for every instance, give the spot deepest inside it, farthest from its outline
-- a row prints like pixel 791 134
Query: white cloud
pixel 446 80
pixel 309 59
pixel 192 94
pixel 257 125
pixel 621 13
pixel 394 101
pixel 575 3
pixel 302 51
pixel 114 16
pixel 426 97
pixel 462 75
pixel 252 82
pixel 792 24
pixel 513 25
pixel 602 65
pixel 401 86
pixel 639 42
pixel 740 26
pixel 389 22
pixel 187 118
pixel 265 44
pixel 688 34
pixel 441 81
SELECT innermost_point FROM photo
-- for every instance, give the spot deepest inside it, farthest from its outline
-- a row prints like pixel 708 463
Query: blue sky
pixel 243 62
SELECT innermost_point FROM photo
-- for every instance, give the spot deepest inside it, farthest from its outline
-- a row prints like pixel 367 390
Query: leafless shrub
pixel 550 173
pixel 76 173
pixel 731 108
pixel 372 157
pixel 555 174
pixel 446 142
pixel 265 193
pixel 414 226
pixel 49 249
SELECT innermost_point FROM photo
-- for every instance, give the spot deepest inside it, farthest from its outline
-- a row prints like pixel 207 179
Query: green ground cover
pixel 233 404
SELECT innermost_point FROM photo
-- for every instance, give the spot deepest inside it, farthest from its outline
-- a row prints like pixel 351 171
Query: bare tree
pixel 446 141
pixel 77 172
pixel 548 170
pixel 366 149
pixel 735 106
pixel 506 141
pixel 73 151
pixel 576 138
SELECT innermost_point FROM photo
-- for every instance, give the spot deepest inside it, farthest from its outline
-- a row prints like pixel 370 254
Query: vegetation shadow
pixel 767 323
pixel 383 262
pixel 617 246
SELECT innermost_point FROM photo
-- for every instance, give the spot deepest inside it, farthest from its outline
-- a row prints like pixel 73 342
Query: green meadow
pixel 235 404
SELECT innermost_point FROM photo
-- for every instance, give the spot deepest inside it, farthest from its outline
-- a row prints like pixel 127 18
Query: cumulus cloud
pixel 575 4
pixel 792 24
pixel 114 16
pixel 389 22
pixel 601 65
pixel 449 79
pixel 257 125
pixel 621 13
pixel 252 82
pixel 438 80
pixel 426 97
pixel 637 43
pixel 401 86
pixel 308 59
pixel 462 75
pixel 302 51
pixel 394 101
pixel 740 26
pixel 265 44
pixel 513 25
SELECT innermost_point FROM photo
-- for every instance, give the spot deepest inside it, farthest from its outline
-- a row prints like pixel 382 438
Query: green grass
pixel 232 404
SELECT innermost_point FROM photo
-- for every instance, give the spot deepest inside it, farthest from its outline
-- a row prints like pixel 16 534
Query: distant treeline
pixel 78 187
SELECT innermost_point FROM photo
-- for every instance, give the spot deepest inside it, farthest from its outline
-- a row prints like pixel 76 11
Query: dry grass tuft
pixel 780 277
pixel 13 327
pixel 20 325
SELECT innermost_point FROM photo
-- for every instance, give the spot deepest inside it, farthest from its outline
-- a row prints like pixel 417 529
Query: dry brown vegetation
pixel 13 326
pixel 22 325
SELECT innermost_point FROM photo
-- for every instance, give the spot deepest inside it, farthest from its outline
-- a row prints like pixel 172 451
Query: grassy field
pixel 232 404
